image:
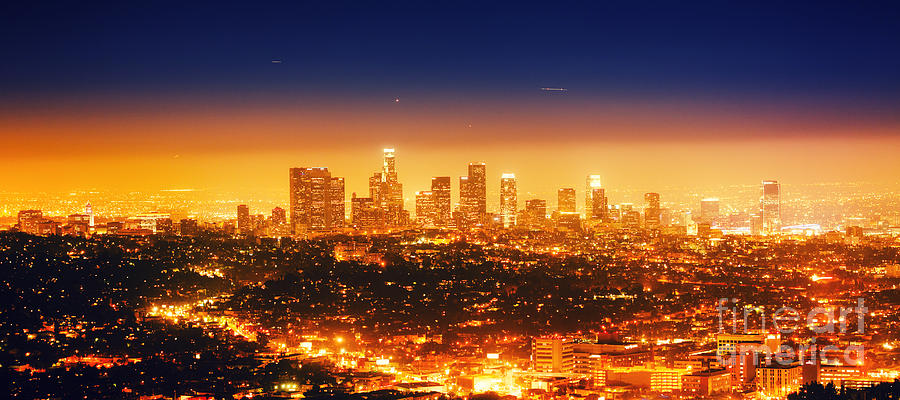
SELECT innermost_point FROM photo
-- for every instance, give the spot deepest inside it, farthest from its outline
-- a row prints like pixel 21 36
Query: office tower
pixel 473 194
pixel 89 210
pixel 375 186
pixel 425 208
pixel 78 224
pixel 631 218
pixel 338 206
pixel 553 354
pixel 756 225
pixel 508 201
pixel 364 212
pixel 440 189
pixel 188 227
pixel 651 211
pixel 387 192
pixel 391 195
pixel 770 207
pixel 28 220
pixel 243 219
pixel 565 200
pixel 316 200
pixel 595 199
pixel 777 380
pixel 279 217
pixel 709 210
pixel 536 213
pixel 466 208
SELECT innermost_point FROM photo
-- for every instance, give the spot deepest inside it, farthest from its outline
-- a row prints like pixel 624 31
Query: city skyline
pixel 801 93
pixel 451 200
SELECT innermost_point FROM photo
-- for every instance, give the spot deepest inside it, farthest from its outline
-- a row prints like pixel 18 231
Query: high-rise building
pixel 595 203
pixel 338 207
pixel 777 380
pixel 279 217
pixel 508 201
pixel 473 194
pixel 243 219
pixel 364 212
pixel 651 211
pixel 29 219
pixel 89 210
pixel 387 191
pixel 316 200
pixel 770 207
pixel 553 354
pixel 188 227
pixel 536 213
pixel 709 210
pixel 425 209
pixel 565 200
pixel 392 190
pixel 440 190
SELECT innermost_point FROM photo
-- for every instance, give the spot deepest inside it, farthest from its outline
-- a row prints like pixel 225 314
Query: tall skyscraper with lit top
pixel 508 200
pixel 391 191
pixel 595 203
pixel 770 206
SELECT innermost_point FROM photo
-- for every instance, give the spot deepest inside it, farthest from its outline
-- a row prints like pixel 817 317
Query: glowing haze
pixel 114 98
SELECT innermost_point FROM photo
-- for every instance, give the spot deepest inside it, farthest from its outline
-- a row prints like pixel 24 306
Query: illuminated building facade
pixel 243 219
pixel 651 211
pixel 387 192
pixel 89 210
pixel 536 213
pixel 595 202
pixel 338 207
pixel 553 354
pixel 425 208
pixel 770 207
pixel 508 200
pixel 565 200
pixel 778 380
pixel 440 191
pixel 364 213
pixel 473 194
pixel 279 216
pixel 188 227
pixel 28 220
pixel 316 200
pixel 706 383
pixel 709 210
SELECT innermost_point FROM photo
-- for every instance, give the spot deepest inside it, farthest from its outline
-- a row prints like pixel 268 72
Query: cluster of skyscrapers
pixel 317 204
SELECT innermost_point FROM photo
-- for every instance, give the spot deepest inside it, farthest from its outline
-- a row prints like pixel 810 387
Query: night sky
pixel 168 81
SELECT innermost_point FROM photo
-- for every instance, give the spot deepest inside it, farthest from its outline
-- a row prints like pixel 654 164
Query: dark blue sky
pixel 844 52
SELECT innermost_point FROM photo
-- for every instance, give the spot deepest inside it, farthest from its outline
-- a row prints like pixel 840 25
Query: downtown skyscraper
pixel 651 211
pixel 473 194
pixel 595 203
pixel 440 190
pixel 508 200
pixel 386 192
pixel 316 200
pixel 565 200
pixel 770 207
